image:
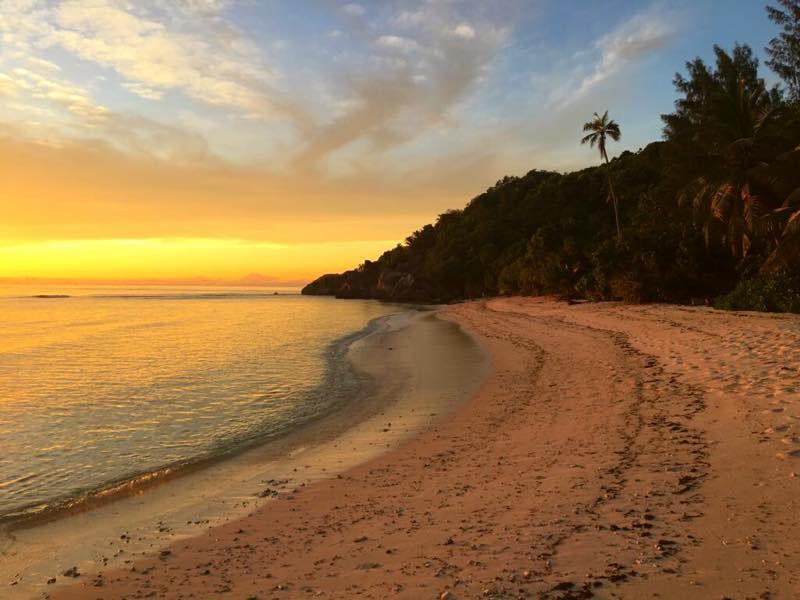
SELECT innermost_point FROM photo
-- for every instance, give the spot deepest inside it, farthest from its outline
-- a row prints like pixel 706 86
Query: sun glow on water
pixel 112 382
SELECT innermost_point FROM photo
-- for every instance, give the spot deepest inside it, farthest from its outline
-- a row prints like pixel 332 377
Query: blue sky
pixel 262 81
pixel 337 115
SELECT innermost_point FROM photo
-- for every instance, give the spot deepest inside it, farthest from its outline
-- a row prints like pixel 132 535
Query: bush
pixel 771 292
pixel 626 288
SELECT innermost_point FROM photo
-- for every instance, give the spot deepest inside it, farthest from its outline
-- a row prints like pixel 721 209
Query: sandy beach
pixel 613 451
pixel 416 369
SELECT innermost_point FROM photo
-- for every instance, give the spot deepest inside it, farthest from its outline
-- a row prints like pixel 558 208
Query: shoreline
pixel 339 365
pixel 394 386
pixel 614 451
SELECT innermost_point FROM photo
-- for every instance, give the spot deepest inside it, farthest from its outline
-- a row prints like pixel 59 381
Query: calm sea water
pixel 111 384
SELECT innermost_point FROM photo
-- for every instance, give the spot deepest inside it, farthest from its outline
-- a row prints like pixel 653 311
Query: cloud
pixel 636 38
pixel 101 191
pixel 41 65
pixel 156 47
pixel 394 99
pixel 465 31
pixel 145 51
pixel 143 91
pixel 75 99
pixel 8 86
pixel 410 18
pixel 202 7
pixel 398 43
pixel 95 123
pixel 354 10
pixel 399 73
pixel 147 138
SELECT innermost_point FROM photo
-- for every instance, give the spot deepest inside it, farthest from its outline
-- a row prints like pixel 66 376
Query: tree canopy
pixel 711 213
pixel 784 50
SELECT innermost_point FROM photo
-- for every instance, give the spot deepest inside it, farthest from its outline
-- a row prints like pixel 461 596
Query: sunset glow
pixel 216 139
pixel 180 260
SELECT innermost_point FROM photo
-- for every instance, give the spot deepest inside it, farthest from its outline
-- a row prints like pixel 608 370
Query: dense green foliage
pixel 784 50
pixel 775 292
pixel 711 211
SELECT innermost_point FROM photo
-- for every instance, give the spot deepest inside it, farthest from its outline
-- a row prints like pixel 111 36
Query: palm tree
pixel 602 128
pixel 725 125
pixel 780 180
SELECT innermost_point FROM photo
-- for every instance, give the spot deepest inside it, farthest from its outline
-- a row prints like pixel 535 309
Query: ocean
pixel 101 387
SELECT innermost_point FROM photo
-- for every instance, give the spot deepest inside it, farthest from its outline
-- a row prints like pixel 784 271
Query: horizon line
pixel 154 282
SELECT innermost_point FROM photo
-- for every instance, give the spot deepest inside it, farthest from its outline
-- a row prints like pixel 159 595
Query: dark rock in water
pixel 372 281
pixel 327 285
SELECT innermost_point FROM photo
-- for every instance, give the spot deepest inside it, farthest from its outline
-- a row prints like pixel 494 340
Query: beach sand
pixel 418 367
pixel 613 452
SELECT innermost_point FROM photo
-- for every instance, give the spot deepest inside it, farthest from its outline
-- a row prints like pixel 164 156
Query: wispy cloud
pixel 632 41
pixel 578 76
pixel 398 42
pixel 143 91
pixel 354 9
pixel 431 58
pixel 465 31
pixel 8 86
pixel 74 98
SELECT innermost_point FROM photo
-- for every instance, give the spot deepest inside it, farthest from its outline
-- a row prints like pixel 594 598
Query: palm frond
pixel 723 202
pixel 792 225
pixel 600 128
pixel 753 207
pixel 793 199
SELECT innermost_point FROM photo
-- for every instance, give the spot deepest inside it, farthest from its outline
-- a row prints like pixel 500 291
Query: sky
pixel 270 141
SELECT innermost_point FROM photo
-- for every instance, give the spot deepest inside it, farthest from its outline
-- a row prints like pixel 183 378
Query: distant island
pixel 709 215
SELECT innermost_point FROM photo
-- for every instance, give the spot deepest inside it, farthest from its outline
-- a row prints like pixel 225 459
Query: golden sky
pixel 88 212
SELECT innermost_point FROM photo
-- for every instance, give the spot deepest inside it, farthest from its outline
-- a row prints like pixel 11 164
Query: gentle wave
pixel 51 296
pixel 203 296
pixel 169 296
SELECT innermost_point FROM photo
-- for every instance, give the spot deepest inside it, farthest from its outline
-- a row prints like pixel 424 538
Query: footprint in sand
pixel 786 455
pixel 776 428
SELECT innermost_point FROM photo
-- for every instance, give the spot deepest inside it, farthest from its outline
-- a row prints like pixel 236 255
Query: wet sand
pixel 613 452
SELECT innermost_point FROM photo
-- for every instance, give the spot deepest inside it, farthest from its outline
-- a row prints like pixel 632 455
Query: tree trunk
pixel 614 202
